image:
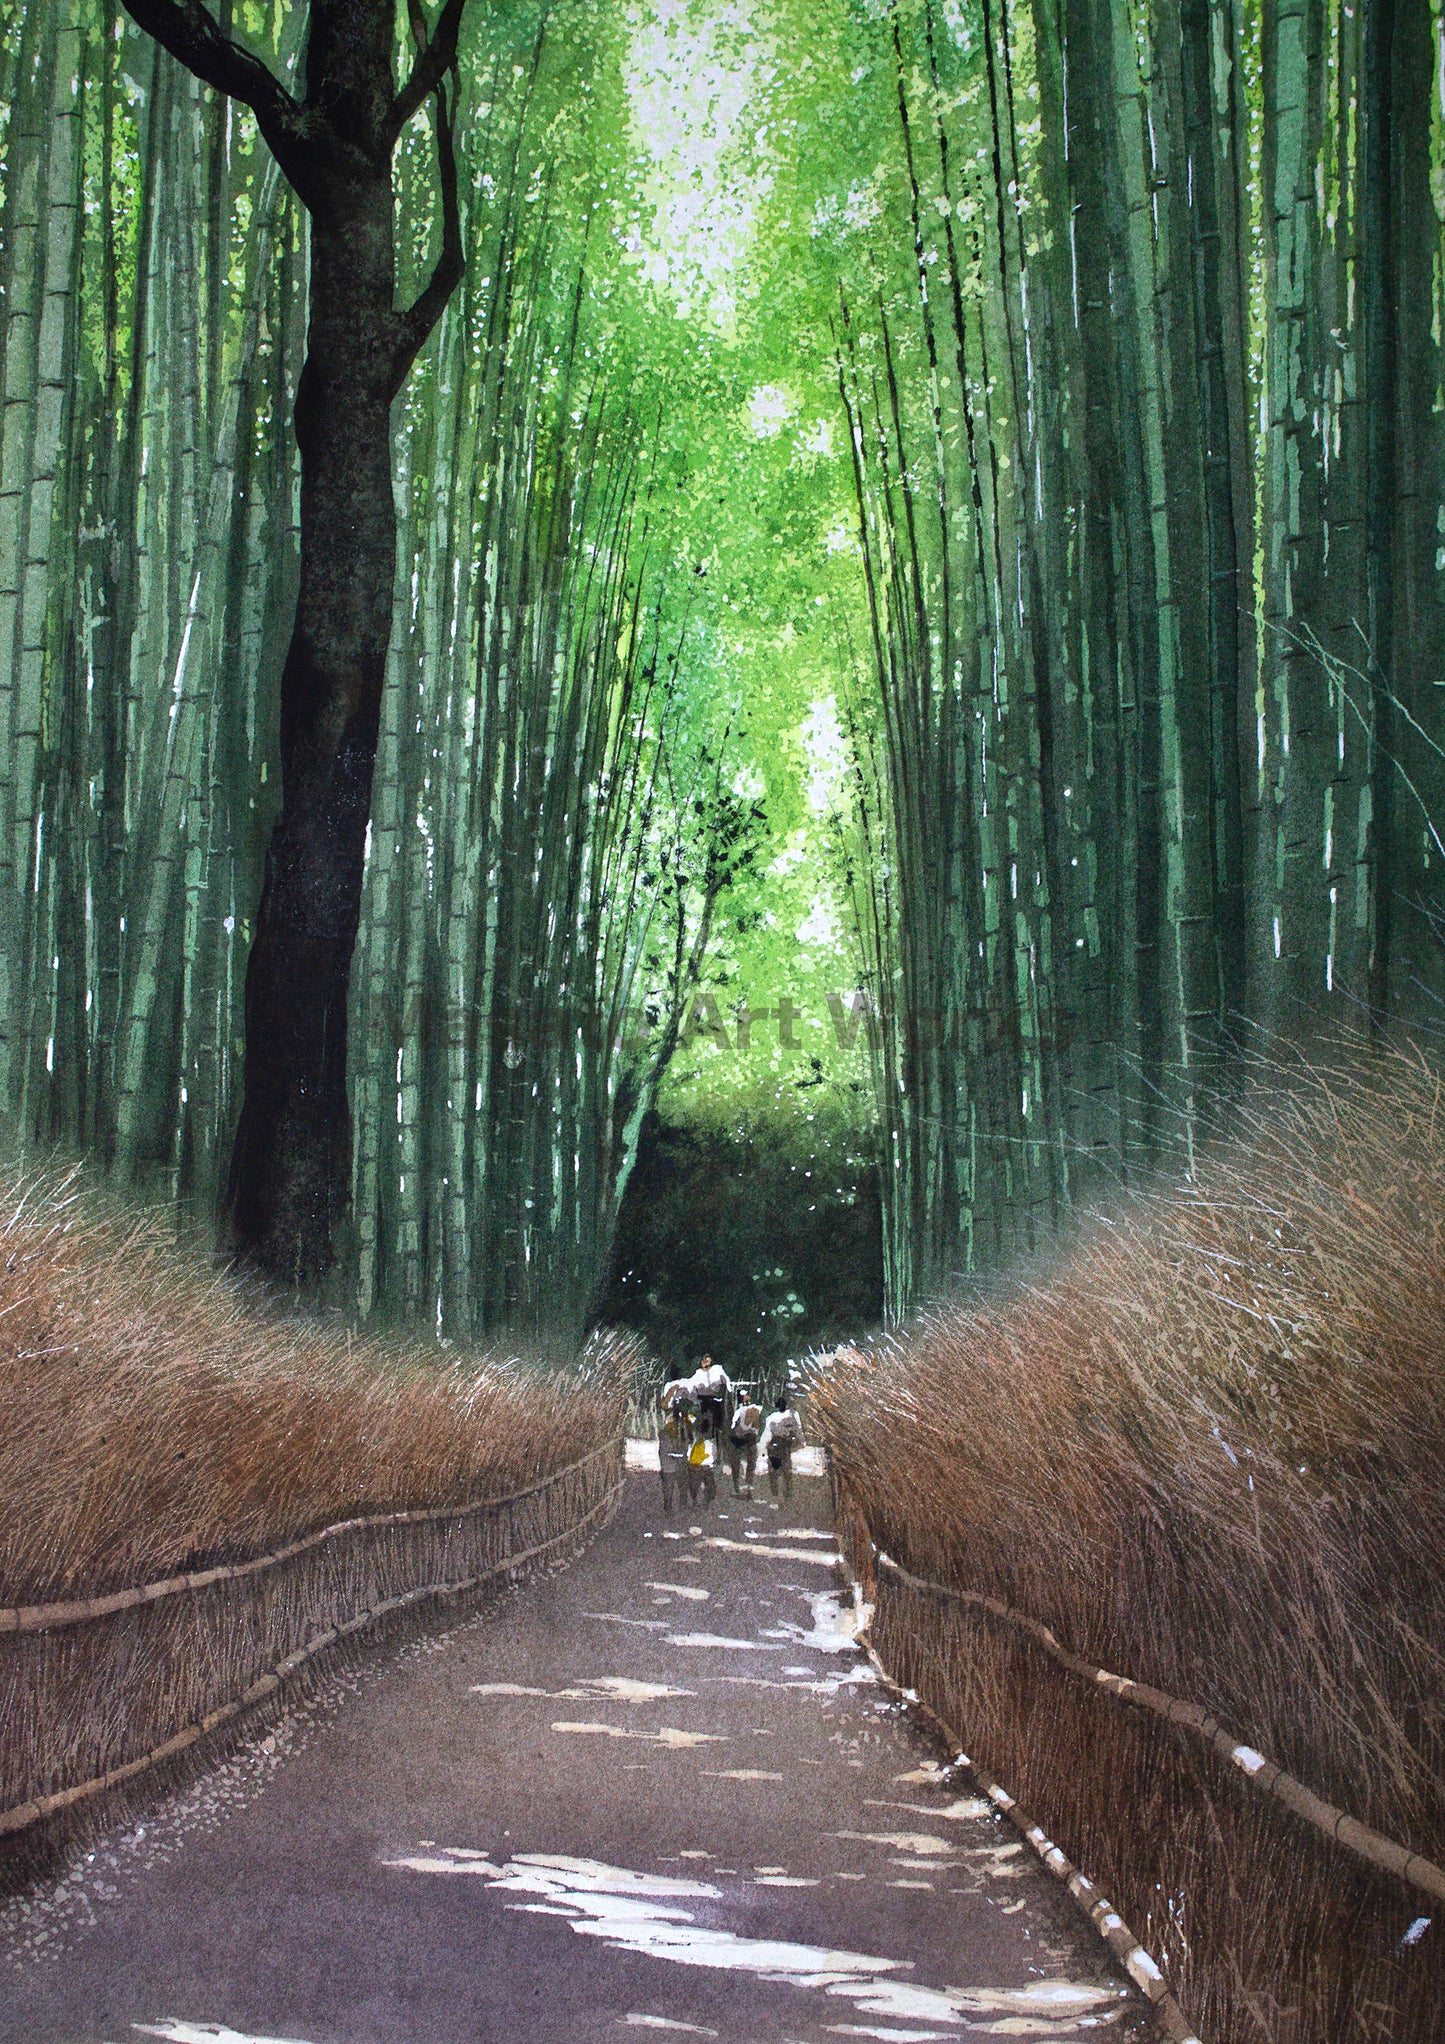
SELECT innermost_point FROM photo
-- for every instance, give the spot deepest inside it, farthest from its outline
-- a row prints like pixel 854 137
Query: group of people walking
pixel 706 1419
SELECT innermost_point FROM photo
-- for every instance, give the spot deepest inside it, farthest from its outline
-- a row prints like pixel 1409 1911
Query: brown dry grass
pixel 153 1415
pixel 1206 1449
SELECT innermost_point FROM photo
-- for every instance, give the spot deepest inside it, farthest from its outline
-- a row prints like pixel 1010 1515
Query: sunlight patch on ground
pixel 835 1626
pixel 643 1913
pixel 878 2030
pixel 860 1677
pixel 594 1688
pixel 777 1553
pixel 965 1807
pixel 666 2023
pixel 666 1735
pixel 921 1843
pixel 718 1639
pixel 615 1618
pixel 627 1689
pixel 206 2033
pixel 741 1774
pixel 683 1590
pixel 1000 1862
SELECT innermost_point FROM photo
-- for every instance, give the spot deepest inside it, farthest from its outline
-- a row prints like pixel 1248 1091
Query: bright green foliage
pixel 1136 337
pixel 555 823
pixel 919 584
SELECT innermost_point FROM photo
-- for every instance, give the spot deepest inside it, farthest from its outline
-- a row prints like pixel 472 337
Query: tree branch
pixel 435 58
pixel 416 323
pixel 187 29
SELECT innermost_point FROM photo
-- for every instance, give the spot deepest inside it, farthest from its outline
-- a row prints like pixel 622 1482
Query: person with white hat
pixel 709 1386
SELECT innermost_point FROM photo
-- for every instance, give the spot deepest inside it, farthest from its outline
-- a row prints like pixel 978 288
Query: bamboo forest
pixel 932 515
pixel 722 759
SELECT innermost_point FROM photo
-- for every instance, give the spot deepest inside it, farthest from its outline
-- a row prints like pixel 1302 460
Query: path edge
pixel 1095 1907
pixel 50 1829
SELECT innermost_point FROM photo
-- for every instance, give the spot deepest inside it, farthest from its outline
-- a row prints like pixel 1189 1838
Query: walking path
pixel 659 1793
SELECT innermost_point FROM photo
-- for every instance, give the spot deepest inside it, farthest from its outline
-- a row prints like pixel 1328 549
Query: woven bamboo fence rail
pixel 95 1691
pixel 1117 1935
pixel 1330 1822
pixel 1277 1917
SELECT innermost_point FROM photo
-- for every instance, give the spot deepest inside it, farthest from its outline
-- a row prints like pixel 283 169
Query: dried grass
pixel 159 1417
pixel 1206 1450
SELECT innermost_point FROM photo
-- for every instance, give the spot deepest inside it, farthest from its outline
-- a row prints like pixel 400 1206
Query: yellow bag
pixel 697 1455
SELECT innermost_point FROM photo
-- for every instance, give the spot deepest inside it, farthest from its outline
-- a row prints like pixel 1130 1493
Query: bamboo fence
pixel 1117 1935
pixel 96 1691
pixel 1275 1914
pixel 1325 1818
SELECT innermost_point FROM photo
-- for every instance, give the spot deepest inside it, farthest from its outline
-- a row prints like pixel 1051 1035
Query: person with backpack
pixel 674 1439
pixel 742 1446
pixel 701 1467
pixel 782 1434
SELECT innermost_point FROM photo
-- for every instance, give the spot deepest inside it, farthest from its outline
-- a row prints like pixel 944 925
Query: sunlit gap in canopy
pixel 701 87
pixel 698 78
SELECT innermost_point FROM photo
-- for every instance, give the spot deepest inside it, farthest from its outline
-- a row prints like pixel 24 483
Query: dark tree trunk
pixel 291 1164
pixel 290 1170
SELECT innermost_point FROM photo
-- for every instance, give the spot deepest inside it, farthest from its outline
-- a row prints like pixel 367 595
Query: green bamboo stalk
pixel 189 686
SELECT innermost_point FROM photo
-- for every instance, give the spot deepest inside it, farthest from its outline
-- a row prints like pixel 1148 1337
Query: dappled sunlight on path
pixel 740 1835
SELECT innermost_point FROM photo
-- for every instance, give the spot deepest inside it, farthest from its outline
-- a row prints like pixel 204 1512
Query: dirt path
pixel 656 1794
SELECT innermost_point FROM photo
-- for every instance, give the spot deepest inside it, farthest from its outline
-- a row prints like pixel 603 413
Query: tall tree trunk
pixel 291 1166
pixel 290 1170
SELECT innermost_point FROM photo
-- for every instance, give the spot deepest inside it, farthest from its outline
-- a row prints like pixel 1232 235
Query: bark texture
pixel 290 1172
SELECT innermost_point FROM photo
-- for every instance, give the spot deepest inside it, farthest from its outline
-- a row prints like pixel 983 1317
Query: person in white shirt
pixel 782 1434
pixel 742 1446
pixel 708 1387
